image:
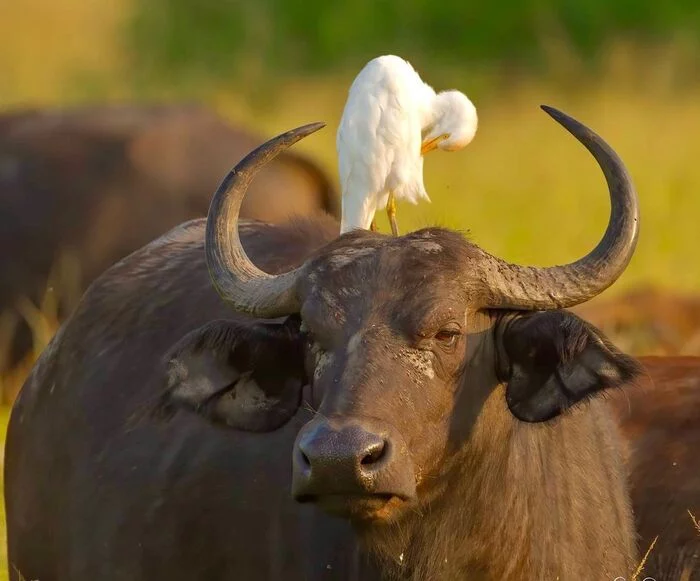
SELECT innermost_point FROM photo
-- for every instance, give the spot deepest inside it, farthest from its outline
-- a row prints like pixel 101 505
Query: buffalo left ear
pixel 553 360
pixel 246 375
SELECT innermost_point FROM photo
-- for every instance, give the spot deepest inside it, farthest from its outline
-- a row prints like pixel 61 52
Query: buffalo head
pixel 419 351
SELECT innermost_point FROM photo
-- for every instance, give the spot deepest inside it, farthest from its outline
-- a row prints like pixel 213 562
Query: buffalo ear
pixel 245 375
pixel 554 360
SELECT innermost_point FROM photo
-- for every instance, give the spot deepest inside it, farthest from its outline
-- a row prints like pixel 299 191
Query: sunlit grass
pixel 524 188
pixel 695 521
pixel 642 563
pixel 52 50
pixel 43 321
pixel 527 190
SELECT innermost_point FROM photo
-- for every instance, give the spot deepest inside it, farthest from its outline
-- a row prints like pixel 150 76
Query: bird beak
pixel 431 144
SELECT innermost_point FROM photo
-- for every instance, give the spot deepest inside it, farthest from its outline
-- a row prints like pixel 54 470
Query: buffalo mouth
pixel 358 507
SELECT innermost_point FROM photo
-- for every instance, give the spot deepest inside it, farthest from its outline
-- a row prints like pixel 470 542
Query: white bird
pixel 392 118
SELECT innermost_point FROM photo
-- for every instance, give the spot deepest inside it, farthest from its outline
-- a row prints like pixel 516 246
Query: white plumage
pixel 391 118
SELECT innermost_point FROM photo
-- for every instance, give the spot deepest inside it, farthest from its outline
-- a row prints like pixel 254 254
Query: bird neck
pixel 429 112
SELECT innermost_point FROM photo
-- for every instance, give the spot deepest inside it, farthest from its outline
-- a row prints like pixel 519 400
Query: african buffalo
pixel 363 408
pixel 660 421
pixel 648 320
pixel 93 184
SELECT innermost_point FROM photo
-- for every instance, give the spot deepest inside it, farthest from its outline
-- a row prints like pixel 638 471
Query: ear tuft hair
pixel 245 375
pixel 555 360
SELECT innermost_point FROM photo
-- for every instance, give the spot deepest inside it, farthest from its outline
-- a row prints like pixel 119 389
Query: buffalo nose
pixel 349 457
pixel 353 450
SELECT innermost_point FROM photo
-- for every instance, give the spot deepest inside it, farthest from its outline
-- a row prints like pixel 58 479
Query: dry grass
pixel 19 574
pixel 525 189
pixel 4 416
pixel 696 523
pixel 640 567
pixel 43 320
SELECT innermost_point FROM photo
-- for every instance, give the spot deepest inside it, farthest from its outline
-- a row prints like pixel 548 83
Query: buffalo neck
pixel 518 502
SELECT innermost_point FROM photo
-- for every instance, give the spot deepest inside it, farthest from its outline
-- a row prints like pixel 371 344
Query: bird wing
pixel 378 139
pixel 358 166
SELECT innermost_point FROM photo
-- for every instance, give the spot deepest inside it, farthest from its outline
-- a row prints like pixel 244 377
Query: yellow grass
pixel 696 523
pixel 48 47
pixel 640 567
pixel 525 189
pixel 4 416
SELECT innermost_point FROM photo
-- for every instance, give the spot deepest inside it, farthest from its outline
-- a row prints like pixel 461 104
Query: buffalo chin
pixel 360 508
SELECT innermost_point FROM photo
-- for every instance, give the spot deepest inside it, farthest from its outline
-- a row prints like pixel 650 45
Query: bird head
pixel 455 123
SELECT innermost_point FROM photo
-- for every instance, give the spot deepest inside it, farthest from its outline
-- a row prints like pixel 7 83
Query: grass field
pixel 524 188
pixel 528 192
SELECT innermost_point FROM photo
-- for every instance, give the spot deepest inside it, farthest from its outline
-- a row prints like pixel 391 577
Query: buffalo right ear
pixel 554 360
pixel 246 375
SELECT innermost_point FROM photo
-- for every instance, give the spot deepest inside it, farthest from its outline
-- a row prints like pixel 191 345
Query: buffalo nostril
pixel 374 453
pixel 304 459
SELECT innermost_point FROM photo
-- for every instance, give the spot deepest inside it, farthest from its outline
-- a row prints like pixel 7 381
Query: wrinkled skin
pixel 82 188
pixel 383 356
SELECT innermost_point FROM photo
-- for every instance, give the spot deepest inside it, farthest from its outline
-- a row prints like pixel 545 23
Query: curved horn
pixel 235 277
pixel 531 288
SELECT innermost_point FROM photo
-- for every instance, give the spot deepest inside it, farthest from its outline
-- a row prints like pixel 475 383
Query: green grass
pixel 525 189
pixel 210 38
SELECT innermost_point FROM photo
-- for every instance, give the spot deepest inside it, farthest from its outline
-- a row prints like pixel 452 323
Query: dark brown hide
pixel 92 494
pixel 93 184
pixel 660 420
pixel 184 516
pixel 217 505
pixel 648 321
pixel 433 396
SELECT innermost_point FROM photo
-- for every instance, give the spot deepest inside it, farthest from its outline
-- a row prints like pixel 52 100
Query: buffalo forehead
pixel 364 272
pixel 343 257
pixel 396 262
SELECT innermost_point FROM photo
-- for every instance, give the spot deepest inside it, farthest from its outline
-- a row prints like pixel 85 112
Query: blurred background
pixel 107 107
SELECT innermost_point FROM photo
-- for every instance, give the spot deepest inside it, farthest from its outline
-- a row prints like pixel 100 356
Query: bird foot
pixel 391 212
pixel 394 226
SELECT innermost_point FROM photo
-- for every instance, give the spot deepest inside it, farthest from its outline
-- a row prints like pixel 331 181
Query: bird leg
pixel 391 212
pixel 373 225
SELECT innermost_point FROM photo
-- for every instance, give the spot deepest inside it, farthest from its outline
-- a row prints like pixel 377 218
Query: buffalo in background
pixel 648 320
pixel 82 188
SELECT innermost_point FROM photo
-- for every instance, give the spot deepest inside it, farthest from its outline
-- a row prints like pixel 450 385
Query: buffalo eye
pixel 447 337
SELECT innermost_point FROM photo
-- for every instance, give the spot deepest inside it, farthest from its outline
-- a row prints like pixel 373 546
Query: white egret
pixel 392 118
